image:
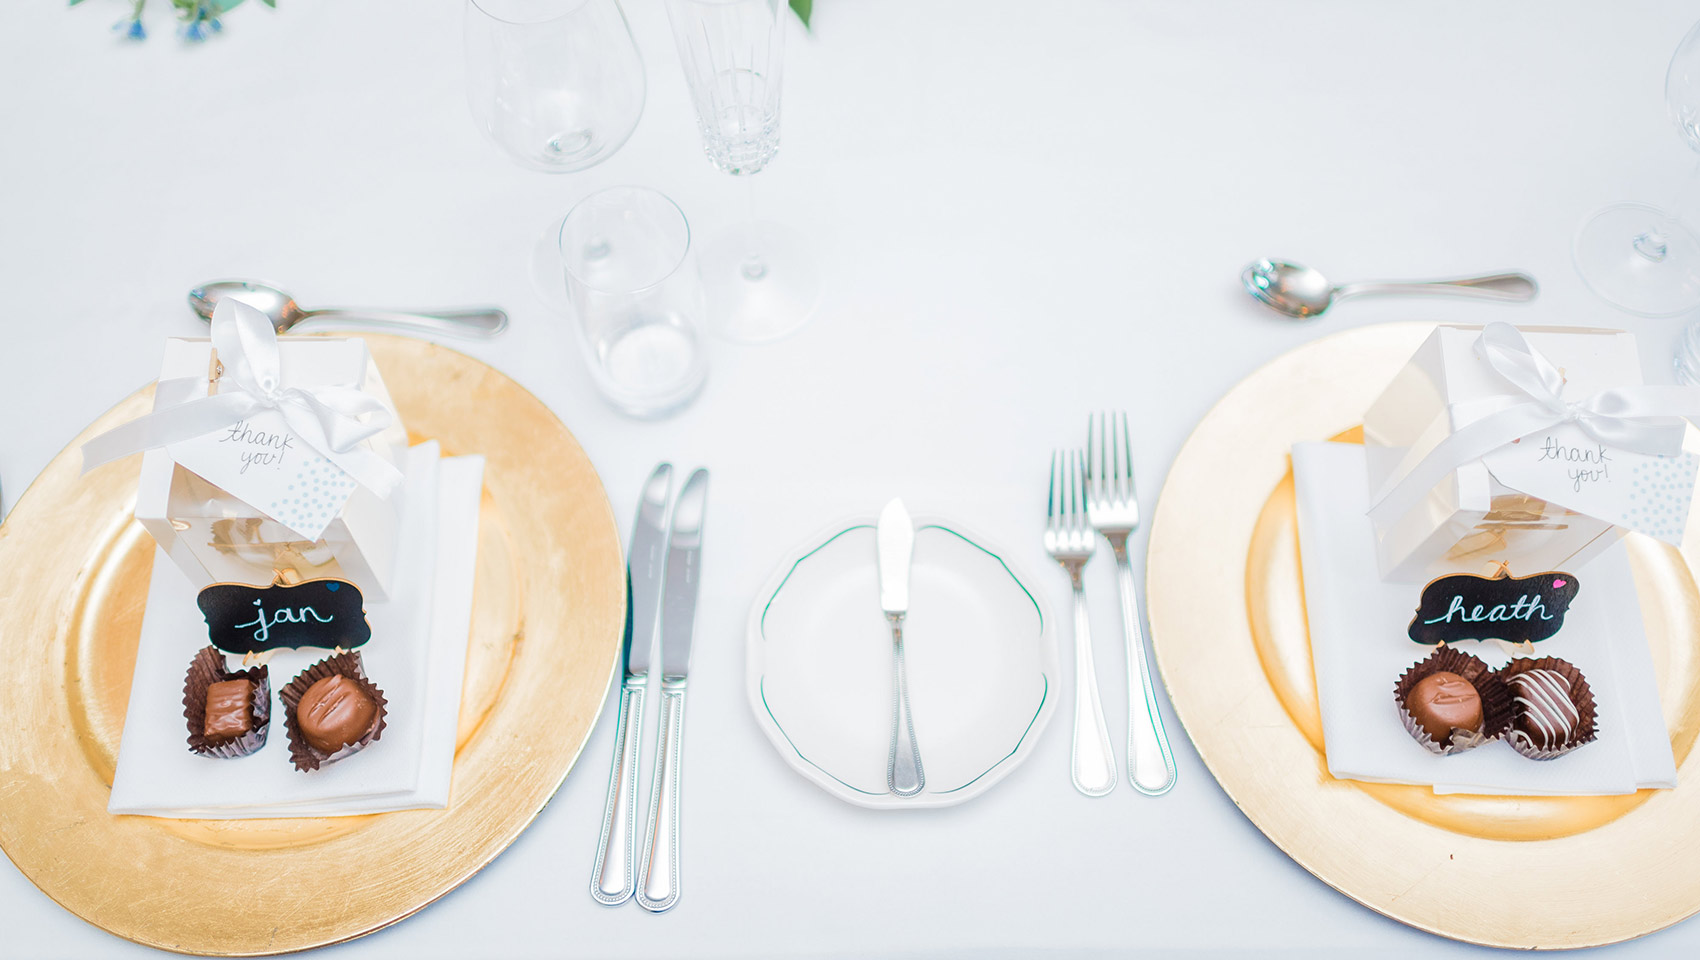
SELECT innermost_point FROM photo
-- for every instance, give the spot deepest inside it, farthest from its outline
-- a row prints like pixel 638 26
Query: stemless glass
pixel 759 278
pixel 557 84
pixel 1639 257
pixel 636 298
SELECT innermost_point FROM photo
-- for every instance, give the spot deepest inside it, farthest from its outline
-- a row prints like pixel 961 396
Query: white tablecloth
pixel 1025 211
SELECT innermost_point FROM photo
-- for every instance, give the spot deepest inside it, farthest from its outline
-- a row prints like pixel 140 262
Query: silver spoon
pixel 285 313
pixel 1298 291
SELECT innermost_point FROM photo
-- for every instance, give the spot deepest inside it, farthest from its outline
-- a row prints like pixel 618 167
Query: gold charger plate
pixel 547 619
pixel 1228 629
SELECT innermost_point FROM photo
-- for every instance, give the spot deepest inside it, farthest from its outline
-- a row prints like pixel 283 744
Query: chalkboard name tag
pixel 317 613
pixel 1513 609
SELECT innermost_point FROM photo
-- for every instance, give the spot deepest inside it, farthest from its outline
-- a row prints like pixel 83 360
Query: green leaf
pixel 270 3
pixel 75 2
pixel 803 9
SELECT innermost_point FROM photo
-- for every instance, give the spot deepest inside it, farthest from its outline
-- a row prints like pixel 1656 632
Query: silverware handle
pixel 1150 764
pixel 1092 765
pixel 903 773
pixel 659 888
pixel 1507 287
pixel 476 323
pixel 611 879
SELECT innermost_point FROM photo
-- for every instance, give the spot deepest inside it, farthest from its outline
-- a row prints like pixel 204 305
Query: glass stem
pixel 1651 244
pixel 754 267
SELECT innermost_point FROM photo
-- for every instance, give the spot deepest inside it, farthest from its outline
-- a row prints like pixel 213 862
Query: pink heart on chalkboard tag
pixel 1559 583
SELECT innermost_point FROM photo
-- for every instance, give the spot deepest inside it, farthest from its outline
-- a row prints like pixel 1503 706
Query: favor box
pixel 1549 500
pixel 277 508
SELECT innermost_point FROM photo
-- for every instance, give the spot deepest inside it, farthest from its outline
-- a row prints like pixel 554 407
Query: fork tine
pixel 1075 485
pixel 1084 494
pixel 1051 497
pixel 1095 432
pixel 1088 442
pixel 1127 451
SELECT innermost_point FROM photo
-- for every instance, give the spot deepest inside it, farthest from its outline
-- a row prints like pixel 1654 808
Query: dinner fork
pixel 1112 504
pixel 1070 541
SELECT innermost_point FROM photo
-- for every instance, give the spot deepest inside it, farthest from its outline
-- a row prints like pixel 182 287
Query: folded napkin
pixel 417 655
pixel 1360 648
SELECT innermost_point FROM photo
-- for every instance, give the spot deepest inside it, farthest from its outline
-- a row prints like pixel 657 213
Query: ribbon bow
pixel 1643 419
pixel 327 418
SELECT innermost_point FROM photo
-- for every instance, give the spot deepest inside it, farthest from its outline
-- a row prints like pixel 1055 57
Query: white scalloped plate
pixel 979 647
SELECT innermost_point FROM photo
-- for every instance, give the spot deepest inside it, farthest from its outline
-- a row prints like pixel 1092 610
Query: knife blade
pixel 894 541
pixel 659 888
pixel 612 879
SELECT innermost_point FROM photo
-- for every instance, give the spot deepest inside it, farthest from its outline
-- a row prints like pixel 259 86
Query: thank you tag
pixel 265 464
pixel 1513 609
pixel 1564 465
pixel 317 613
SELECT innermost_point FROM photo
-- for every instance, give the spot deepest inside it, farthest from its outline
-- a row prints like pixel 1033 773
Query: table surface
pixel 1023 212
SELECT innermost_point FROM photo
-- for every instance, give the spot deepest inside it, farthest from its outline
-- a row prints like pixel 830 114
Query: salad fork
pixel 1070 541
pixel 1112 505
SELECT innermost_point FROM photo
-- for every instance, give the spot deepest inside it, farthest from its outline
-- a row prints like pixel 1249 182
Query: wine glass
pixel 1639 257
pixel 557 84
pixel 759 278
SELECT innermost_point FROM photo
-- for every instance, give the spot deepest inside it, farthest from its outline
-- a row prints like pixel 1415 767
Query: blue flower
pixel 132 29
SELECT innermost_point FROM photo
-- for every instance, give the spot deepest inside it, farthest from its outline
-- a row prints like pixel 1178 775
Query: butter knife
pixel 895 539
pixel 658 890
pixel 611 882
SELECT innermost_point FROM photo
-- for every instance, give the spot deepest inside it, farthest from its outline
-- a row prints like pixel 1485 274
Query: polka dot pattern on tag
pixel 1659 493
pixel 314 497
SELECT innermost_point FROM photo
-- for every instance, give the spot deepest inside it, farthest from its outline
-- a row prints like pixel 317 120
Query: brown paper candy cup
pixel 1580 694
pixel 1496 699
pixel 305 755
pixel 207 669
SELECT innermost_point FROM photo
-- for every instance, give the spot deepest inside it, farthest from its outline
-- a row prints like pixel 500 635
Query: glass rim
pixel 572 7
pixel 684 254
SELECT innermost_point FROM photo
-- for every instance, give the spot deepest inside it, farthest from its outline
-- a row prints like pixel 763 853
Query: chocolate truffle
pixel 334 712
pixel 1442 702
pixel 229 710
pixel 1546 715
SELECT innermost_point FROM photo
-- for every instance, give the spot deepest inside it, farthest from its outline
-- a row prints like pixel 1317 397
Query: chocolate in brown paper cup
pixel 1496 699
pixel 305 755
pixel 207 669
pixel 1581 695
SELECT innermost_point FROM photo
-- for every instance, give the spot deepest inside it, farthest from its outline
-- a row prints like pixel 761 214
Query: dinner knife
pixel 611 881
pixel 895 541
pixel 659 888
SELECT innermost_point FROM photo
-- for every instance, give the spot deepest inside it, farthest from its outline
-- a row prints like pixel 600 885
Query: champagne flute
pixel 1639 257
pixel 759 278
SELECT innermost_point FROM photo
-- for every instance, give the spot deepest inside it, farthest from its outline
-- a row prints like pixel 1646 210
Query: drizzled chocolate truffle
pixel 1552 707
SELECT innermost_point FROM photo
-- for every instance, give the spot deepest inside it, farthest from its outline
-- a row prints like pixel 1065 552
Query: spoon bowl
pixel 1290 288
pixel 279 307
pixel 284 313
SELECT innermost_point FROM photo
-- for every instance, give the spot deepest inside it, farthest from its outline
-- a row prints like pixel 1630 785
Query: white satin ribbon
pixel 326 418
pixel 1642 419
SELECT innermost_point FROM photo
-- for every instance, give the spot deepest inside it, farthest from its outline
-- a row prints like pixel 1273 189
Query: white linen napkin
pixel 417 656
pixel 1360 648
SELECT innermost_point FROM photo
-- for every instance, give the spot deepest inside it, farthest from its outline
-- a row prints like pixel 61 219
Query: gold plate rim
pixel 347 882
pixel 1528 894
